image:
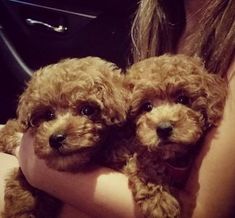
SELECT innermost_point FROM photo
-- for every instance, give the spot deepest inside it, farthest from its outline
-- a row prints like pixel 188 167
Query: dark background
pixel 94 28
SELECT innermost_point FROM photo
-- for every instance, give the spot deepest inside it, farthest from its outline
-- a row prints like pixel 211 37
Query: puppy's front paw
pixel 159 204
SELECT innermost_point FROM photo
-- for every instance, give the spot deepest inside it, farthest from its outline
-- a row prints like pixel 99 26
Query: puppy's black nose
pixel 164 130
pixel 56 140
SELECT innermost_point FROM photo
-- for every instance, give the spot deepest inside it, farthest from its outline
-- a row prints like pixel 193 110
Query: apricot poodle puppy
pixel 67 107
pixel 175 101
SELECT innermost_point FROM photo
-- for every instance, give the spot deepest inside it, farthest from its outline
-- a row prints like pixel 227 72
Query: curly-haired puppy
pixel 174 102
pixel 67 107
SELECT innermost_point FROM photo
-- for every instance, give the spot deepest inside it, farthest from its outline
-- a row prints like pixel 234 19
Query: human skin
pixel 7 164
pixel 108 192
pixel 102 188
pixel 213 175
pixel 105 193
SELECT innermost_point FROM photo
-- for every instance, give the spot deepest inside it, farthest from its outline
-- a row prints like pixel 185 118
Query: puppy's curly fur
pixel 174 102
pixel 67 108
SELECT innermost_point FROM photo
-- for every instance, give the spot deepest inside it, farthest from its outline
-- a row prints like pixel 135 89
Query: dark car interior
pixel 34 33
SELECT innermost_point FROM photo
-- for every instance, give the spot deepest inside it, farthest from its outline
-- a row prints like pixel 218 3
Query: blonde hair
pixel 156 30
pixel 153 29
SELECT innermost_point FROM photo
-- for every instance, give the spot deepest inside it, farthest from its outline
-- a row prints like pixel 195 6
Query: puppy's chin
pixel 176 154
pixel 79 160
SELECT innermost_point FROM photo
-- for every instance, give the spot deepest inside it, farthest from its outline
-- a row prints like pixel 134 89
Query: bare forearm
pixel 213 185
pixel 105 190
pixel 99 193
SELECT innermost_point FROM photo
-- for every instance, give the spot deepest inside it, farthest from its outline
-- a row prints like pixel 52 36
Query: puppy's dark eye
pixel 147 107
pixel 42 115
pixel 183 99
pixel 88 110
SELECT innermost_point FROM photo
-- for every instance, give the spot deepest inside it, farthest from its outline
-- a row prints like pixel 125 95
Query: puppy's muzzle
pixel 56 140
pixel 164 130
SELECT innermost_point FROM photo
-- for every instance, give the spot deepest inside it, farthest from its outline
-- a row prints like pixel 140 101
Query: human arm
pixel 213 176
pixel 7 164
pixel 107 193
pixel 98 193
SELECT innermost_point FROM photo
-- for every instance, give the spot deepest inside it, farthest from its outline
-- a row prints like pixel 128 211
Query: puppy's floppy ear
pixel 216 90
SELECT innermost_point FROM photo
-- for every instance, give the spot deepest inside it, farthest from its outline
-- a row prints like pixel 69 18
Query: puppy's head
pixel 174 101
pixel 68 106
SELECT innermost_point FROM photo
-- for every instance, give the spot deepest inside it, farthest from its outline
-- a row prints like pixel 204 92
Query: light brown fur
pixel 76 98
pixel 174 92
pixel 135 148
pixel 179 92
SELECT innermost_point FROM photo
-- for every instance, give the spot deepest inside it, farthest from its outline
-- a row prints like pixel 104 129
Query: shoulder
pixel 231 73
pixel 215 164
pixel 229 109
